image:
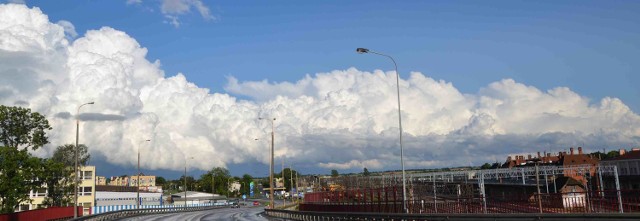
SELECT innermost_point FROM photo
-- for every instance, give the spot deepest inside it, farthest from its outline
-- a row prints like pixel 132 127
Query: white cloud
pixel 134 2
pixel 69 29
pixel 17 1
pixel 174 8
pixel 342 119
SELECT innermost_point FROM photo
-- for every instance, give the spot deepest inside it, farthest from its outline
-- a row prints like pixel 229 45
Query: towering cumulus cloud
pixel 343 119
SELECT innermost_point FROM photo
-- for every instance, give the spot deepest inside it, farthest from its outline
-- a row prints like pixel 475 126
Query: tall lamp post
pixel 75 197
pixel 138 179
pixel 404 180
pixel 271 165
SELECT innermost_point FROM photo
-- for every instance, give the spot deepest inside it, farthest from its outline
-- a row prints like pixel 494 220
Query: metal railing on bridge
pixel 139 212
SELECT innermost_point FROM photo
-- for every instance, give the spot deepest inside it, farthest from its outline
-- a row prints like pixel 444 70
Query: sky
pixel 479 80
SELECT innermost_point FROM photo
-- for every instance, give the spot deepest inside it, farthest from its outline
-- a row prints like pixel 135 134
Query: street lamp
pixel 404 181
pixel 271 165
pixel 138 179
pixel 75 198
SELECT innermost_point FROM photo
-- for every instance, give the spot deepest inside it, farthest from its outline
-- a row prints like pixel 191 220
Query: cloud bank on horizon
pixel 342 119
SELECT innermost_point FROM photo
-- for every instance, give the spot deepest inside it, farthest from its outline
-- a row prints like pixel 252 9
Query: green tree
pixel 161 181
pixel 21 129
pixel 334 173
pixel 612 154
pixel 59 181
pixel 66 154
pixel 245 184
pixel 18 175
pixel 219 181
pixel 485 166
pixel 366 172
pixel 288 175
pixel 58 173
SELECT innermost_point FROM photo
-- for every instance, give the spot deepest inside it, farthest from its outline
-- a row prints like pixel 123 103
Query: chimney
pixel 580 150
pixel 538 154
pixel 571 150
pixel 622 152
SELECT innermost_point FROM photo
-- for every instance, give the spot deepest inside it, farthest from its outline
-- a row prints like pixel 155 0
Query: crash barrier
pixel 104 209
pixel 318 216
pixel 138 212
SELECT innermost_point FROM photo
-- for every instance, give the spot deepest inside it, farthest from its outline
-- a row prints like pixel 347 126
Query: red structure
pixel 52 213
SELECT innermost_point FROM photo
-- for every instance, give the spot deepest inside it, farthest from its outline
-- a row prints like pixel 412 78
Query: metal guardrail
pixel 317 216
pixel 139 212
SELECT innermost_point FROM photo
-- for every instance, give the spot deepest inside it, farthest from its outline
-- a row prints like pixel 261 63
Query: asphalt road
pixel 244 213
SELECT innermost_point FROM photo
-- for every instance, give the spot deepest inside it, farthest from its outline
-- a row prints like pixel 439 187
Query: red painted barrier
pixel 52 213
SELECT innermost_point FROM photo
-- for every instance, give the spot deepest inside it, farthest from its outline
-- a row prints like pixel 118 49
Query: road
pixel 244 213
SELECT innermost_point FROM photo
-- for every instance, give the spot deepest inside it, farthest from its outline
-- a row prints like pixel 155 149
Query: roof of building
pixel 631 155
pixel 568 181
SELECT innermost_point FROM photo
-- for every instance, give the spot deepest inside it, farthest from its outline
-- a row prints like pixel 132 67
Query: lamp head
pixel 362 50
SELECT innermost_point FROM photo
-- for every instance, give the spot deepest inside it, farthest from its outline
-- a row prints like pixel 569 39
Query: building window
pixel 84 191
pixel 41 192
pixel 86 175
pixel 24 207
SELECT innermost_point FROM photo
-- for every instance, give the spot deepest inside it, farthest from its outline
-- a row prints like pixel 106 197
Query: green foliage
pixel 161 181
pixel 20 172
pixel 612 154
pixel 220 178
pixel 21 129
pixel 289 175
pixel 334 173
pixel 18 175
pixel 65 154
pixel 366 172
pixel 485 166
pixel 59 180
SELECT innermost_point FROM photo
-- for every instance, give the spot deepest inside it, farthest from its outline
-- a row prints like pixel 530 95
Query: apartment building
pixel 86 192
pixel 145 181
pixel 628 165
pixel 101 180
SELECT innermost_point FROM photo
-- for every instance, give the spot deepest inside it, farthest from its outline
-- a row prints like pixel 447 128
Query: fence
pixel 137 212
pixel 389 200
pixel 104 209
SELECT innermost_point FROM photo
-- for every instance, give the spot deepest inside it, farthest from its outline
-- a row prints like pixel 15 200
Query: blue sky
pixel 589 47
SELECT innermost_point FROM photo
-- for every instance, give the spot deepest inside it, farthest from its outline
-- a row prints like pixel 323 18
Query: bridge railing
pixel 138 212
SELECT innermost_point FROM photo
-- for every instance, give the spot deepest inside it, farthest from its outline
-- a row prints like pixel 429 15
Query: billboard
pixel 251 189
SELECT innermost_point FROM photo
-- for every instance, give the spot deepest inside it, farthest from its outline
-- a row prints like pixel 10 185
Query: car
pixel 256 203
